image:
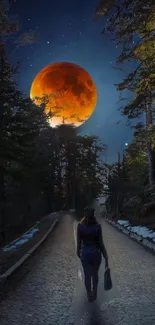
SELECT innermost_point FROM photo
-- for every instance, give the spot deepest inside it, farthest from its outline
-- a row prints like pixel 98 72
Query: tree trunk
pixel 149 122
pixel 118 185
pixel 2 201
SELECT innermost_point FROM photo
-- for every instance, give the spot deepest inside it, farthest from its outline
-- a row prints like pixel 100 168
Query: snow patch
pixel 141 231
pixel 124 223
pixel 24 238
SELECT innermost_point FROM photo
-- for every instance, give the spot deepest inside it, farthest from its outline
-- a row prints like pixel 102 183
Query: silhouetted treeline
pixel 41 169
pixel 130 25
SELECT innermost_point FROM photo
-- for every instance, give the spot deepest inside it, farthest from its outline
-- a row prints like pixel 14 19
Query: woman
pixel 90 248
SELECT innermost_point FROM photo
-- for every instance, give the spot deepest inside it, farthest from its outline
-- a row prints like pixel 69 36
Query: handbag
pixel 107 280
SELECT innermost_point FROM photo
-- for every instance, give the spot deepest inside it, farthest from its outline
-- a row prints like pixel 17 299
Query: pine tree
pixel 20 123
pixel 131 24
pixel 9 99
pixel 84 170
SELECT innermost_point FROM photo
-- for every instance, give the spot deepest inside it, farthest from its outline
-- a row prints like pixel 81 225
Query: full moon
pixel 70 91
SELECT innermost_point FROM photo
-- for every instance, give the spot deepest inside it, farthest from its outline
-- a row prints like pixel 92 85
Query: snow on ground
pixel 143 232
pixel 124 223
pixel 139 230
pixel 23 239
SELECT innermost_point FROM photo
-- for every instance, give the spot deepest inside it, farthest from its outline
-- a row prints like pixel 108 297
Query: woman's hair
pixel 89 216
pixel 89 212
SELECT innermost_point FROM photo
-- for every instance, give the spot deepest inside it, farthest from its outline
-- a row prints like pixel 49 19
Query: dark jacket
pixel 89 236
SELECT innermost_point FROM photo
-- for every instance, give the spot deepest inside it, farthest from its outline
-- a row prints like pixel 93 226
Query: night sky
pixel 68 33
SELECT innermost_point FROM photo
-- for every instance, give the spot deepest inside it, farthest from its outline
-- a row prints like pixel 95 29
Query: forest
pixel 131 180
pixel 43 169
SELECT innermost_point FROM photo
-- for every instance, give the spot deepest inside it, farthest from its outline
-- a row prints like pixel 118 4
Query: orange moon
pixel 71 93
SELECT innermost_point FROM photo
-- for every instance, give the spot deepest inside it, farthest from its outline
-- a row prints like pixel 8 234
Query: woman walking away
pixel 90 248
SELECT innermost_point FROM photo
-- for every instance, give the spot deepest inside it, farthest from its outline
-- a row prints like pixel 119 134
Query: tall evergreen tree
pixel 131 24
pixel 20 123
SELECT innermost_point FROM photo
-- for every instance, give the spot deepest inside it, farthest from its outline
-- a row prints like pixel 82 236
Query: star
pixel 29 19
pixel 48 42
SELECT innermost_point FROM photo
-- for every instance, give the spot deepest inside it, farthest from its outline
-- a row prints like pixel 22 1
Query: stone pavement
pixel 50 290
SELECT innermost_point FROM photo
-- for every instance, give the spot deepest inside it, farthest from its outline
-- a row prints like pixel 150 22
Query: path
pixel 50 290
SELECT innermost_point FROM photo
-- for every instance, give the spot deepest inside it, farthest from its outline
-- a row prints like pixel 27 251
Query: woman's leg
pixel 87 268
pixel 96 267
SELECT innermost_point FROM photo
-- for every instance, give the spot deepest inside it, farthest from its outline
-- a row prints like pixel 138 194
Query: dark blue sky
pixel 68 33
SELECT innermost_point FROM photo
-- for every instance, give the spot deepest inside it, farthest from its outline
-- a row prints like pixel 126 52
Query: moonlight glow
pixel 72 94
